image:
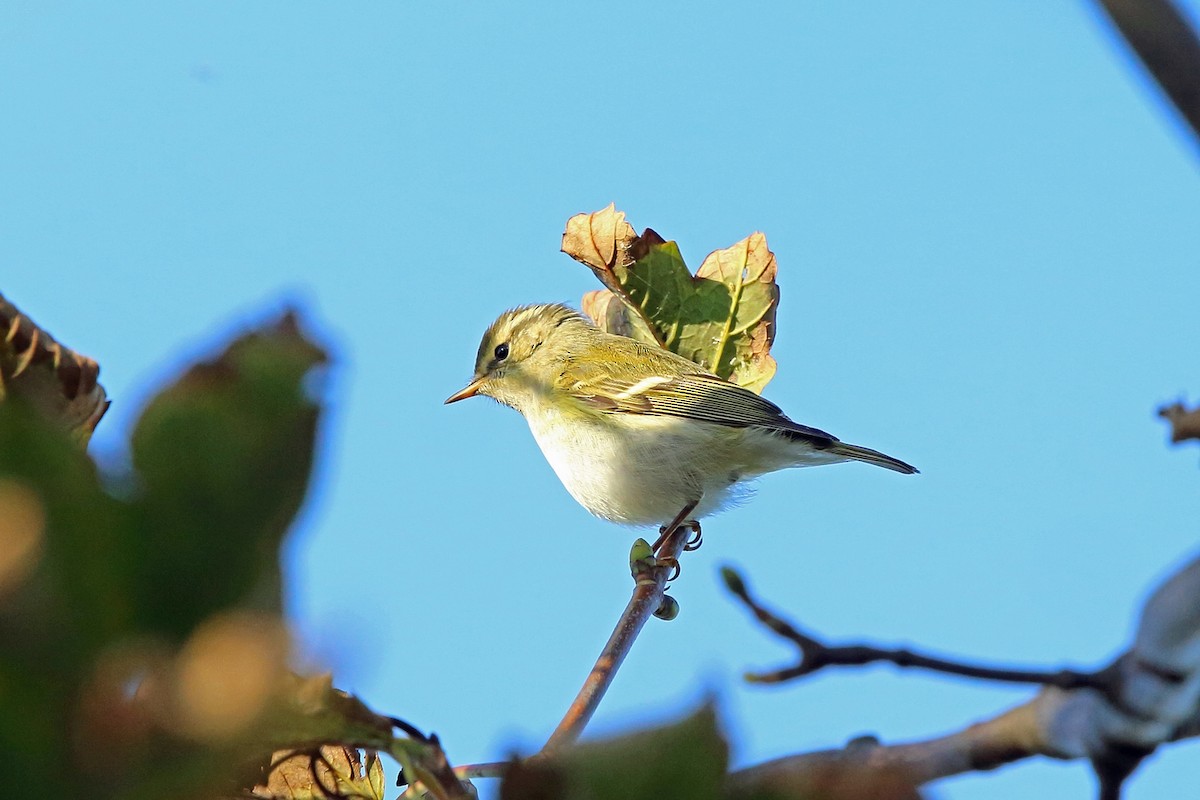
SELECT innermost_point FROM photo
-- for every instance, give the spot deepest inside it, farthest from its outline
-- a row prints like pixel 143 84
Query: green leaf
pixel 224 457
pixel 376 776
pixel 722 318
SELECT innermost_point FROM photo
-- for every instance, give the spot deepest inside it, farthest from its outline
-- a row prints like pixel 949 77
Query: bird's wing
pixel 697 396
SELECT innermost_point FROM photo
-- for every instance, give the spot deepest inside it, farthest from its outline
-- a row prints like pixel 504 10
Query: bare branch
pixel 1161 36
pixel 650 575
pixel 986 745
pixel 1114 717
pixel 816 655
pixel 1185 423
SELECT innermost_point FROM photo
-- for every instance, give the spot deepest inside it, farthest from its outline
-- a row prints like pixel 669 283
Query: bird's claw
pixel 695 538
pixel 672 563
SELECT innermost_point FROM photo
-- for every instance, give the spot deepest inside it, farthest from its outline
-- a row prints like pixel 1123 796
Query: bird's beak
pixel 470 390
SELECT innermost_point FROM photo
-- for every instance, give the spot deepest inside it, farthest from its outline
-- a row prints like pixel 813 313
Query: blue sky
pixel 985 221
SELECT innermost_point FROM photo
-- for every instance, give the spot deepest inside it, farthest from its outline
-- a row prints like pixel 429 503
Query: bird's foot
pixel 695 538
pixel 667 548
pixel 671 563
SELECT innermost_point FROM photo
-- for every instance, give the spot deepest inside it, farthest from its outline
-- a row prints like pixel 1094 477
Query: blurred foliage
pixel 686 760
pixel 142 654
pixel 722 318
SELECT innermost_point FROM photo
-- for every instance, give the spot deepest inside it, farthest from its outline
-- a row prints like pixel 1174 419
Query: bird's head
pixel 517 356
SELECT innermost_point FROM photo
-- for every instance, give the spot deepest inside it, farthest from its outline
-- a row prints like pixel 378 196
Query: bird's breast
pixel 638 469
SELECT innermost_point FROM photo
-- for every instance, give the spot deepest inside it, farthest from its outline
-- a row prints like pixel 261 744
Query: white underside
pixel 642 470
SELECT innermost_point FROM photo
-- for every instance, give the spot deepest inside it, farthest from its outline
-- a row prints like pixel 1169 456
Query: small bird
pixel 637 434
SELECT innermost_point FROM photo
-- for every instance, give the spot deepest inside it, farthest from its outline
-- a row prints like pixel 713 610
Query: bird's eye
pixel 502 351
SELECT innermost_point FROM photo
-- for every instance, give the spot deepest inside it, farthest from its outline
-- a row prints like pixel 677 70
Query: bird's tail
pixel 870 456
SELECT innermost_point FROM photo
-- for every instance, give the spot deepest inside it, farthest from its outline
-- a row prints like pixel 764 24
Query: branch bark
pixel 650 574
pixel 1184 422
pixel 1168 47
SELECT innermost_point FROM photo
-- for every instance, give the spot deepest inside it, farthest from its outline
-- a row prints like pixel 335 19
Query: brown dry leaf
pixel 607 311
pixel 54 379
pixel 601 240
pixel 333 771
pixel 604 242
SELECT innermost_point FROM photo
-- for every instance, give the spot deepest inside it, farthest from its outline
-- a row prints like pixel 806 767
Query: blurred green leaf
pixel 84 528
pixel 224 457
pixel 684 760
pixel 63 578
pixel 722 318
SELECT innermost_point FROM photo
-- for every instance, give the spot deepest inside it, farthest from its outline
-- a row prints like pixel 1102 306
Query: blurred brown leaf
pixel 55 379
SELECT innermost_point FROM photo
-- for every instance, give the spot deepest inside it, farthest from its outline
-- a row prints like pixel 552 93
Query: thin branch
pixel 466 772
pixel 1011 736
pixel 1114 717
pixel 816 655
pixel 650 575
pixel 488 769
pixel 1168 47
pixel 1184 422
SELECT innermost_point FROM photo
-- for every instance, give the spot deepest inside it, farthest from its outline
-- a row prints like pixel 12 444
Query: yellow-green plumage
pixel 635 432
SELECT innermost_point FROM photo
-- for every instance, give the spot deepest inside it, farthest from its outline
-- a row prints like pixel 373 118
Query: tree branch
pixel 1115 717
pixel 1184 422
pixel 816 655
pixel 1161 36
pixel 650 574
pixel 1011 736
